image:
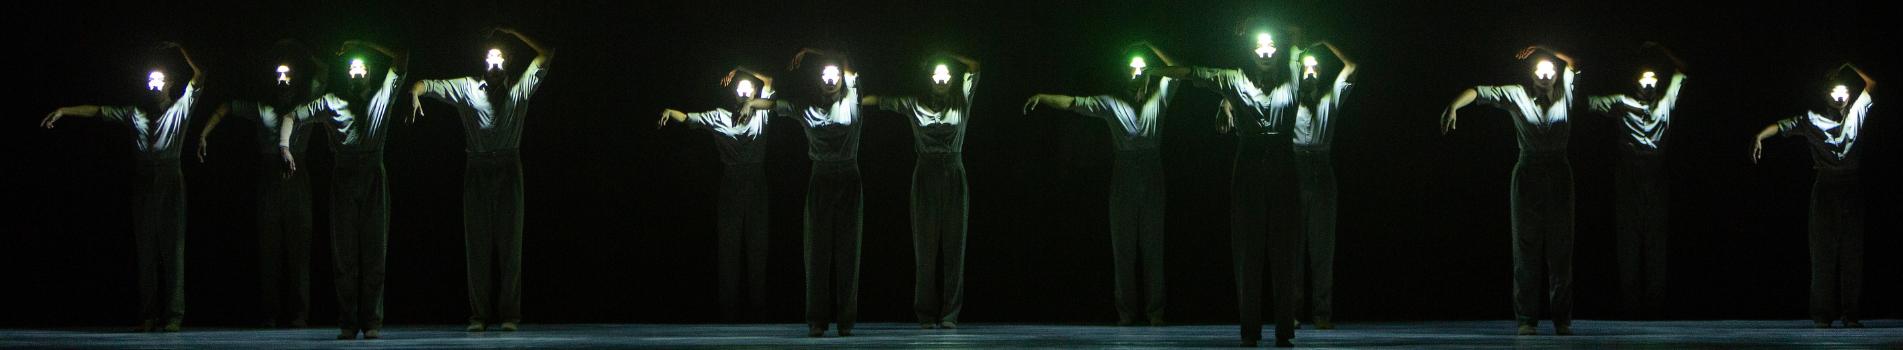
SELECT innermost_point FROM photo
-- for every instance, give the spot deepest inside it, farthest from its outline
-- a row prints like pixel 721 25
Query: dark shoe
pixel 268 324
pixel 1528 330
pixel 845 331
pixel 146 326
pixel 1853 324
pixel 1824 324
pixel 1324 325
pixel 348 334
pixel 172 327
pixel 927 326
pixel 1157 322
pixel 372 334
pixel 1283 343
pixel 1125 322
pixel 508 326
pixel 476 326
pixel 1250 343
pixel 948 325
pixel 299 324
pixel 1562 329
pixel 816 331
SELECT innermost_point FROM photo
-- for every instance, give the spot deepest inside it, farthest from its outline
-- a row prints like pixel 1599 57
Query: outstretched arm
pixel 1757 144
pixel 83 111
pixel 674 115
pixel 1448 117
pixel 217 116
pixel 1058 101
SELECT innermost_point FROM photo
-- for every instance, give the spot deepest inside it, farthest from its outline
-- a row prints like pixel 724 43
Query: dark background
pixel 620 216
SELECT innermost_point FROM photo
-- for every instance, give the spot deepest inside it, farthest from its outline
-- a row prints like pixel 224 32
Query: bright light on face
pixel 744 89
pixel 1840 93
pixel 495 59
pixel 941 75
pixel 1544 70
pixel 155 82
pixel 1264 45
pixel 829 75
pixel 357 69
pixel 1308 67
pixel 1136 67
pixel 1648 80
pixel 284 75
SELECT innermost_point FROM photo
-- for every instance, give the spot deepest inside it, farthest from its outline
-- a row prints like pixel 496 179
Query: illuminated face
pixel 155 82
pixel 1840 95
pixel 941 75
pixel 1136 67
pixel 1308 67
pixel 358 70
pixel 1264 45
pixel 744 89
pixel 1544 70
pixel 494 60
pixel 284 75
pixel 1648 80
pixel 829 75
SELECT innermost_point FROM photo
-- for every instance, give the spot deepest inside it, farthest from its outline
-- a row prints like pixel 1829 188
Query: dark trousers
pixel 492 235
pixel 1542 204
pixel 284 241
pixel 1836 245
pixel 1266 232
pixel 835 211
pixel 1316 175
pixel 158 226
pixel 742 235
pixel 360 235
pixel 939 204
pixel 1136 234
pixel 1644 199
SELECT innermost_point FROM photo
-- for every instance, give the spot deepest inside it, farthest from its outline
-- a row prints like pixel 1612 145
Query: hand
pixel 1228 121
pixel 729 78
pixel 163 45
pixel 1757 150
pixel 1447 120
pixel 290 163
pixel 347 46
pixel 202 147
pixel 52 117
pixel 1031 104
pixel 1528 52
pixel 416 110
pixel 668 114
pixel 796 59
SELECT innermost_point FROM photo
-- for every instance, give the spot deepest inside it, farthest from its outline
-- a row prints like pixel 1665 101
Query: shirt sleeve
pixel 1604 104
pixel 454 91
pixel 1568 84
pixel 1670 100
pixel 116 114
pixel 531 79
pixel 1344 84
pixel 1495 96
pixel 899 104
pixel 1793 126
pixel 185 102
pixel 1093 106
pixel 705 120
pixel 971 85
pixel 1862 106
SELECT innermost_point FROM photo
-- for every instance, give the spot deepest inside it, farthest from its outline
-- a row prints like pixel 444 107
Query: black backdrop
pixel 620 216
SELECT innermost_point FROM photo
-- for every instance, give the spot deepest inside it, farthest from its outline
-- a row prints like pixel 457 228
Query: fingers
pixel 50 118
pixel 1030 105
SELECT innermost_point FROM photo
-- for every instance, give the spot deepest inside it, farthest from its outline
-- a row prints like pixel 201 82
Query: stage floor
pixel 1885 334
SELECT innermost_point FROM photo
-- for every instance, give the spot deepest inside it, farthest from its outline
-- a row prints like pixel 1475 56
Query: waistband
pixel 159 161
pixel 941 155
pixel 512 152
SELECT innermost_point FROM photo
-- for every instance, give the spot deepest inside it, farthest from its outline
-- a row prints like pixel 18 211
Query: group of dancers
pixel 1281 109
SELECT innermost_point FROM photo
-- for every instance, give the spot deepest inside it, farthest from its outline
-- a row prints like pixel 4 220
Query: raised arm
pixel 1347 64
pixel 971 65
pixel 399 59
pixel 217 116
pixel 1677 64
pixel 542 53
pixel 1869 84
pixel 1563 57
pixel 1058 101
pixel 83 111
pixel 766 81
pixel 1167 61
pixel 1448 117
pixel 845 63
pixel 197 72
